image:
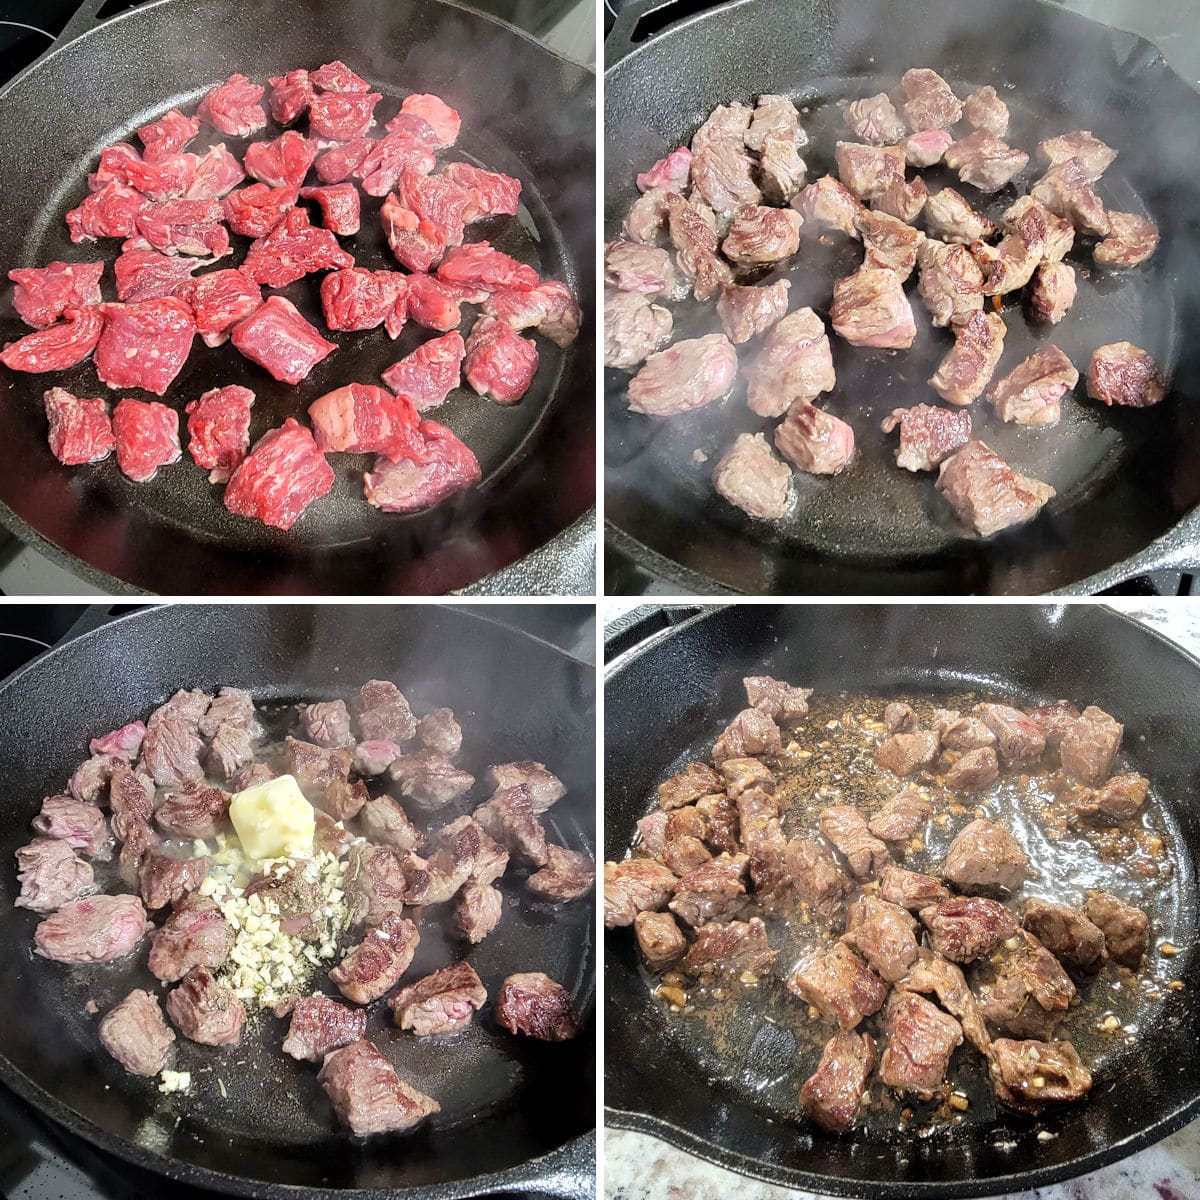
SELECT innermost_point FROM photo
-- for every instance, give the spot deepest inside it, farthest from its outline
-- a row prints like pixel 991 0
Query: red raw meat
pixel 219 300
pixel 293 249
pixel 147 436
pixel 339 207
pixel 80 427
pixel 147 275
pixel 342 161
pixel 185 227
pixel 386 161
pixel 283 162
pixel 423 218
pixel 549 308
pixel 441 118
pixel 168 135
pixel 500 364
pixel 337 77
pixel 360 418
pixel 255 210
pixel 284 473
pixel 356 298
pixel 479 266
pixel 114 166
pixel 144 345
pixel 341 116
pixel 435 304
pixel 109 212
pixel 43 294
pixel 219 430
pixel 492 194
pixel 217 172
pixel 447 466
pixel 233 107
pixel 63 345
pixel 281 341
pixel 164 178
pixel 430 373
pixel 290 95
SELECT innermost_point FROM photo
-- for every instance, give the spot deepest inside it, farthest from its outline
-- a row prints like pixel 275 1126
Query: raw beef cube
pixel 110 212
pixel 43 294
pixel 115 164
pixel 337 77
pixel 284 473
pixel 342 161
pixel 423 218
pixel 168 135
pixel 185 227
pixel 448 466
pixel 147 435
pixel 219 430
pixel 233 107
pixel 219 300
pixel 255 210
pixel 499 364
pixel 283 162
pixel 148 275
pixel 355 298
pixel 360 418
pixel 385 162
pixel 290 96
pixel 549 308
pixel 442 119
pixel 80 427
pixel 479 266
pixel 435 304
pixel 144 345
pixel 165 179
pixel 341 116
pixel 63 345
pixel 430 373
pixel 281 341
pixel 293 249
pixel 492 194
pixel 217 172
pixel 339 207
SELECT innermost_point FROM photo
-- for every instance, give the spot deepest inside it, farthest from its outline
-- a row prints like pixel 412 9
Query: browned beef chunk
pixel 906 200
pixel 639 267
pixel 932 974
pixel 762 838
pixel 748 312
pixel 723 175
pixel 920 1040
pixel 832 1095
pixel 659 939
pixel 91 930
pixel 774 117
pixel 82 826
pixel 713 891
pixel 759 235
pixel 1066 191
pixel 1124 374
pixel 1053 291
pixel 508 817
pixel 883 934
pixel 814 440
pixel 316 768
pixel 890 243
pixel 172 747
pixel 964 928
pixel 961 733
pixel 951 219
pixel 51 874
pixel 230 750
pixel 729 948
pixel 692 226
pixel 985 857
pixel 166 880
pixel 545 788
pixel 846 828
pixel 205 1010
pixel 136 1035
pixel 875 120
pixel 194 935
pixel 720 814
pixel 973 771
pixel 1030 991
pixel 532 1004
pixel 1118 800
pixel 684 854
pixel 837 983
pixel 378 876
pixel 1126 929
pixel 967 369
pixel 1088 746
pixel 688 821
pixel 438 730
pixel 910 889
pixel 130 797
pixel 1093 155
pixel 985 161
pixel 327 723
pixel 368 1095
pixel 1019 741
pixel 926 147
pixel 1032 235
pixel 472 850
pixel 382 713
pixel 140 839
pixel 1031 393
pixel 252 774
pixel 929 101
pixel 869 170
pixel 1031 1074
pixel 827 203
pixel 194 811
pixel 434 880
pixel 384 822
pixel 726 123
pixel 795 363
pixel 320 1025
pixel 478 908
pixel 986 492
pixel 1132 239
pixel 91 777
pixel 985 110
pixel 905 753
pixel 567 876
pixel 902 816
pixel 951 283
pixel 646 218
pixel 342 800
pixel 815 876
pixel 899 717
pixel 1066 933
pixel 870 309
pixel 741 774
pixel 694 781
pixel 652 832
pixel 633 886
pixel 928 435
pixel 441 1002
pixel 749 734
pixel 634 328
pixel 372 968
pixel 1055 721
pixel 781 170
pixel 230 706
pixel 430 780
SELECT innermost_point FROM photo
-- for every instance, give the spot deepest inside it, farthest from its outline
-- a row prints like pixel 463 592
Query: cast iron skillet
pixel 525 111
pixel 1124 479
pixel 516 1114
pixel 665 702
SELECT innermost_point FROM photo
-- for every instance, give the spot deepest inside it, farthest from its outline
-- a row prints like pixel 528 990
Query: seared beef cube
pixel 230 706
pixel 781 170
pixel 472 850
pixel 379 877
pixel 441 1002
pixel 928 435
pixel 729 948
pixel 140 839
pixel 1036 232
pixel 206 1011
pixel 194 935
pixel 1053 291
pixel 968 367
pixel 883 934
pixel 711 892
pixel 688 821
pixel 750 476
pixel 1132 239
pixel 131 799
pixel 646 218
pixel 749 734
pixel 920 1040
pixel 814 440
pixel 759 235
pixel 684 854
pixel 1126 929
pixel 847 829
pixel 478 908
pixel 687 375
pixel 973 771
pixel 932 974
pixel 869 170
pixel 93 930
pixel 568 875
pixel 961 733
pixel 870 309
pixel 1123 374
pixel 1093 155
pixel 795 363
pixel 1055 721
pixel 951 219
pixel 1030 1074
pixel 434 880
pixel 964 928
pixel 890 242
pixel 1118 800
pixel 741 774
pixel 926 147
pixel 906 753
pixel 230 750
pixel 315 768
pixel 1031 393
pixel 910 889
pixel 81 826
pixel 531 1003
pixel 984 109
pixel 430 780
pixel 251 774
pixel 382 713
pixel 692 226
pixel 827 203
pixel 929 101
pixel 633 886
pixel 1066 933
pixel 721 818
pixel 320 1025
pixel 327 723
pixel 51 874
pixel 1088 746
pixel 837 983
pixel 726 123
pixel 748 312
pixel 166 880
pixel 902 816
pixel 508 817
pixel 951 283
pixel 136 1035
pixel 985 857
pixel 694 781
pixel 171 748
pixel 762 838
pixel 342 800
pixel 372 968
pixel 91 777
pixel 723 175
pixel 774 117
pixel 368 1095
pixel 986 492
pixel 194 811
pixel 385 823
pixel 438 730
pixel 875 120
pixel 659 939
pixel 832 1095
pixel 783 703
pixel 899 717
pixel 985 161
pixel 904 201
pixel 1067 192
pixel 544 787
pixel 756 810
pixel 652 832
pixel 1030 991
pixel 373 758
pixel 634 328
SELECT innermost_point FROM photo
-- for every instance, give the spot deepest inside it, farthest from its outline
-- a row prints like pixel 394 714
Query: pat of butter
pixel 274 820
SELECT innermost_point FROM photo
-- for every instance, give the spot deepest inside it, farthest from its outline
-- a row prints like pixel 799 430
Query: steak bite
pixel 905 754
pixel 832 1095
pixel 634 328
pixel 1089 745
pixel 890 243
pixel 671 173
pixel 147 437
pixel 951 283
pixel 531 1003
pixel 794 363
pixel 195 810
pixel 932 974
pixel 729 948
pixel 1124 374
pixel 726 123
pixel 385 823
pixel 920 1040
pixel 750 476
pixel 984 109
pixel 986 492
pixel 752 733
pixel 783 703
pixel 219 432
pixel 1066 191
pixel 774 117
pixel 781 170
pixel 827 203
pixel 1093 156
pixel 1069 935
pixel 759 235
pixel 429 374
pixel 233 107
pixel 136 1035
pixel 82 826
pixel 910 889
pixel 837 983
pixel 659 939
pixel 951 219
pixel 883 934
pixel 439 1003
pixel 478 908
pixel 80 427
pixel 166 880
pixel 206 1011
pixel 714 891
pixel 815 877
pixel 42 295
pixel 692 227
pixel 928 435
pixel 688 375
pixel 985 161
pixel 194 935
pixel 1031 394
pixel 748 312
pixel 382 712
pixel 814 440
pixel 219 300
pixel 320 1025
pixel 1131 240
pixel 409 486
pixel 509 818
pixel 1030 991
pixel 473 851
pixel 1019 741
pixel 97 929
pixel 1126 929
pixel 961 733
pixel 870 309
pixel 846 828
pixel 929 101
pixel 569 875
pixel 143 345
pixel 973 771
pixel 1030 1074
pixel 633 886
pixel 1118 800
pixel 984 857
pixel 544 787
pixel 1053 291
pixel 51 875
pixel 868 171
pixel 372 968
pixel 874 119
pixel 964 928
pixel 368 1095
pixel 905 201
pixel 499 364
pixel 926 147
pixel 722 174
pixel 902 816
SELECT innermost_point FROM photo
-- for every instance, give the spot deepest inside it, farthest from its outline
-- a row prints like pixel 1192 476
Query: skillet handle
pixel 84 18
pixel 624 632
pixel 627 32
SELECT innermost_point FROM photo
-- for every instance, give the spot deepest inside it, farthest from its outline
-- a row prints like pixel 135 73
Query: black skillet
pixel 516 1114
pixel 1127 481
pixel 666 700
pixel 525 111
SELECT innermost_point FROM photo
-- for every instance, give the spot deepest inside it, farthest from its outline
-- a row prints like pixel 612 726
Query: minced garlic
pixel 175 1081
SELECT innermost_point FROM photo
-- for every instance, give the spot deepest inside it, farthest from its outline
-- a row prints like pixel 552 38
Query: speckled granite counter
pixel 637 1167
